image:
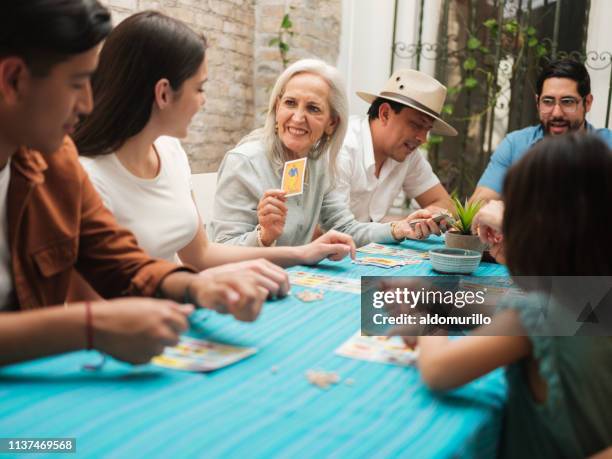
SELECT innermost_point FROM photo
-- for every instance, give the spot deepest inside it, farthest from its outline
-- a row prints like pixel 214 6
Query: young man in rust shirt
pixel 53 222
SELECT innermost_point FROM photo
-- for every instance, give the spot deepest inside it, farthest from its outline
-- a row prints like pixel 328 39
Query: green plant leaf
pixel 473 43
pixel 470 82
pixel 284 47
pixel 448 109
pixel 532 42
pixel 435 139
pixel 490 23
pixel 274 42
pixel 531 30
pixel 484 50
pixel 511 27
pixel 541 50
pixel 469 63
pixel 453 90
pixel 286 24
pixel 465 214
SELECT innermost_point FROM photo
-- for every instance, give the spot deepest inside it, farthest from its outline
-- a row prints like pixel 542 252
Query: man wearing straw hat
pixel 379 156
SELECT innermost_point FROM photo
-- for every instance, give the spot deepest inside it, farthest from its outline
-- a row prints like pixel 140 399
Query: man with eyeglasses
pixel 563 99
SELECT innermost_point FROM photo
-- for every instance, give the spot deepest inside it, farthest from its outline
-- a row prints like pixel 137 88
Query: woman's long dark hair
pixel 558 208
pixel 143 49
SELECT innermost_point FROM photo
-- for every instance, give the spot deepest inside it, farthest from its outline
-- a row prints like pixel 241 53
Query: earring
pixel 276 128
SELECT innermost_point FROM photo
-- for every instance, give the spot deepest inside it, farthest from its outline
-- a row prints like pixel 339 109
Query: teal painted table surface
pixel 264 406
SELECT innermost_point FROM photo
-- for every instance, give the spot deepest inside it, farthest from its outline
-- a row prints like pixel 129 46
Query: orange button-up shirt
pixel 58 223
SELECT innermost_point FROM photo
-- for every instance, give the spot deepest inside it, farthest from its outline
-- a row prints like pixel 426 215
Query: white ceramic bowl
pixel 454 261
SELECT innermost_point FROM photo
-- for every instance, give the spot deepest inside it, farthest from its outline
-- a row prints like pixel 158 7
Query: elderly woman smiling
pixel 307 117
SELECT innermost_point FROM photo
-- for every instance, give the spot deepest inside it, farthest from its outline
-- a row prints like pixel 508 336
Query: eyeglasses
pixel 567 104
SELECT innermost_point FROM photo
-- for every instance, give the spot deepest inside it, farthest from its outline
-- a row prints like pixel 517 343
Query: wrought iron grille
pixel 488 54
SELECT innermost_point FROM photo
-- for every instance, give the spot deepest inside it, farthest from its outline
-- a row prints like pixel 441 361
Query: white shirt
pixel 159 211
pixel 371 197
pixel 6 273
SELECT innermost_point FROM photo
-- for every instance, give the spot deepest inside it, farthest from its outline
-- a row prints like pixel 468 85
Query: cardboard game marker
pixel 293 177
pixel 200 355
pixel 323 282
pixel 382 262
pixel 382 349
pixel 404 253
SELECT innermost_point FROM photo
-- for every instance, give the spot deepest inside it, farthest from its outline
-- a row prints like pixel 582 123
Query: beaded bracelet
pixel 88 326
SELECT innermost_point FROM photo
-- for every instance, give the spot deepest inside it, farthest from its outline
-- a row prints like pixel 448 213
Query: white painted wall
pixel 408 31
pixel 367 39
pixel 365 47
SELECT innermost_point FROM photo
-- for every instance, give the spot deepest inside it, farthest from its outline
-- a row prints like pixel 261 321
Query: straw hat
pixel 416 90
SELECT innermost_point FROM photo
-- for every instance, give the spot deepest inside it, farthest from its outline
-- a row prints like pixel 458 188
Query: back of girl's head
pixel 140 51
pixel 557 210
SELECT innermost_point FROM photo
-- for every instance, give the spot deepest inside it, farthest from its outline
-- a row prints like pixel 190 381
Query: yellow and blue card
pixel 192 354
pixel 293 177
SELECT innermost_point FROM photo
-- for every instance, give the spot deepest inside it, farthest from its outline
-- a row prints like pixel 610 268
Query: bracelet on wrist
pixel 394 226
pixel 88 327
pixel 259 241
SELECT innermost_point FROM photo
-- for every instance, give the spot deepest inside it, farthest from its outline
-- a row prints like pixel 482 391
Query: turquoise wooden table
pixel 264 406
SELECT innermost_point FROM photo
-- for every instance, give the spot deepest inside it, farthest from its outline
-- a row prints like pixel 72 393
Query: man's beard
pixel 571 125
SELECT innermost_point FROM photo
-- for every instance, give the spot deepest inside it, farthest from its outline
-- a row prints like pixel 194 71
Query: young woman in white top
pixel 148 86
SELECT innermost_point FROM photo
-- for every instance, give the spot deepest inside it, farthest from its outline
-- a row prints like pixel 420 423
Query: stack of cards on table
pixel 399 252
pixel 383 349
pixel 382 262
pixel 192 354
pixel 321 281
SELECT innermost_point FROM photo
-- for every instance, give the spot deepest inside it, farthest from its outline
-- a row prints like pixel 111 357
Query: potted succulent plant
pixel 460 235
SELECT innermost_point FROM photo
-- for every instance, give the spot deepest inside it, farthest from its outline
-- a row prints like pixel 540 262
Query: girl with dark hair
pixel 560 387
pixel 148 86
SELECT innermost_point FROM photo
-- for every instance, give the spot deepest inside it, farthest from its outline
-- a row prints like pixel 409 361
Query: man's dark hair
pixel 555 197
pixel 566 68
pixel 142 50
pixel 373 110
pixel 47 32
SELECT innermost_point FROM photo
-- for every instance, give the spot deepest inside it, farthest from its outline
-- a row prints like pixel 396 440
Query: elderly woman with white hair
pixel 307 117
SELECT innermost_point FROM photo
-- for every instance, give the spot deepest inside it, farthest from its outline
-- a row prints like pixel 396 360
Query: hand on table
pixel 498 252
pixel 137 329
pixel 230 293
pixel 267 275
pixel 488 225
pixel 271 215
pixel 488 222
pixel 332 245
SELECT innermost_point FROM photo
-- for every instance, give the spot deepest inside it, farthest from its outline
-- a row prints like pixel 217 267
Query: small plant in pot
pixel 460 235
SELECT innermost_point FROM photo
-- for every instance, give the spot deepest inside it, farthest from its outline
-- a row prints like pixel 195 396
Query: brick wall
pixel 241 66
pixel 316 27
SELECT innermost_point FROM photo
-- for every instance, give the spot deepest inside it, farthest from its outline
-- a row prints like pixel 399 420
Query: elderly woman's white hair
pixel 338 103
